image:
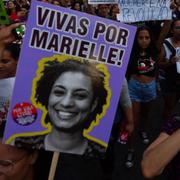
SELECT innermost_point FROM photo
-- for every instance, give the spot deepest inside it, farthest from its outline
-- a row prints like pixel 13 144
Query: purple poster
pixel 68 80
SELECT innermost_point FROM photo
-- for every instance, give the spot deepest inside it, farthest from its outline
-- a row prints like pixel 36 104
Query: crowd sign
pixel 144 10
pixel 69 78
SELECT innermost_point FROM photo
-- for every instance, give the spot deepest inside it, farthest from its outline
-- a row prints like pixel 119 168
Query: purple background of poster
pixel 28 65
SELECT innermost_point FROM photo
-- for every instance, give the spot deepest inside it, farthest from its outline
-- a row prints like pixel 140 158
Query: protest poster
pixel 69 78
pixel 144 10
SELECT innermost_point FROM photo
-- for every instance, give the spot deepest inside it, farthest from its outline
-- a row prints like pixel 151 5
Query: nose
pixel 144 39
pixel 67 101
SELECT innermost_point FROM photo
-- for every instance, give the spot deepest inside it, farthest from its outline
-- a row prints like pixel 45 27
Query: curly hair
pixel 54 69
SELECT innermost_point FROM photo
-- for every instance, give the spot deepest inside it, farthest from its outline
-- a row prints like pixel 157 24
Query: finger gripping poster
pixel 68 80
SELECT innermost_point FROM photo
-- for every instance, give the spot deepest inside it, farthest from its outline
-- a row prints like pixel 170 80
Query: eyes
pixel 5 163
pixel 143 37
pixel 4 61
pixel 79 94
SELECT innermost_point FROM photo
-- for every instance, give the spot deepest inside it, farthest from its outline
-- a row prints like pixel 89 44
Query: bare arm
pixel 164 31
pixel 160 153
pixel 126 105
pixel 162 62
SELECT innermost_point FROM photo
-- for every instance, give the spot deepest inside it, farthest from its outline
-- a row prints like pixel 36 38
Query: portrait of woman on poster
pixel 73 93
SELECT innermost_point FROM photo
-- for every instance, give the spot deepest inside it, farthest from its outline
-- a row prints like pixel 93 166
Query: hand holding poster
pixel 66 90
pixel 144 10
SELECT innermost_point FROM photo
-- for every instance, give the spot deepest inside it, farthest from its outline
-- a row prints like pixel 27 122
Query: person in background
pixel 114 10
pixel 8 64
pixel 57 3
pixel 127 124
pixel 175 6
pixel 76 6
pixel 22 14
pixel 169 78
pixel 121 132
pixel 90 9
pixel 103 10
pixel 23 4
pixel 142 72
pixel 66 3
pixel 9 59
pixel 9 55
pixel 12 10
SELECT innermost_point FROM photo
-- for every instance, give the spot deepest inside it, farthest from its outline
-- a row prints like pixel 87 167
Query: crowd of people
pixel 151 73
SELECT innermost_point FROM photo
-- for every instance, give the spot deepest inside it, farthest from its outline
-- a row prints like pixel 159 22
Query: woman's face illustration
pixel 70 100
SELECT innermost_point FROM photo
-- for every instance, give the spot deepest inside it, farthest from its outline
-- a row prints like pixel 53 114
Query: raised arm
pixel 160 153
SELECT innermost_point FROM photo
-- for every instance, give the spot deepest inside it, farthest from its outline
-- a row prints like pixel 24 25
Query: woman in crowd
pixel 12 10
pixel 9 56
pixel 76 6
pixel 142 78
pixel 9 60
pixel 169 78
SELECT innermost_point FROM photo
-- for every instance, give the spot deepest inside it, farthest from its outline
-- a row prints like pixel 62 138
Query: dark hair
pixel 77 2
pixel 54 69
pixel 151 47
pixel 151 50
pixel 14 49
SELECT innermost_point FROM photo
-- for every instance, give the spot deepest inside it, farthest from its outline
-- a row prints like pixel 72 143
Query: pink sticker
pixel 24 113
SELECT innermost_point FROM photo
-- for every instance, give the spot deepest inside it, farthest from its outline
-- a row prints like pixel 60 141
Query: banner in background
pixel 144 10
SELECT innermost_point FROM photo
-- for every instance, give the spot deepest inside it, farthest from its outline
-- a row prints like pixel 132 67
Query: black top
pixel 93 149
pixel 143 65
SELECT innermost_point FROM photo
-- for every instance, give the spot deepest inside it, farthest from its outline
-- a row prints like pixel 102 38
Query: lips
pixel 66 115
